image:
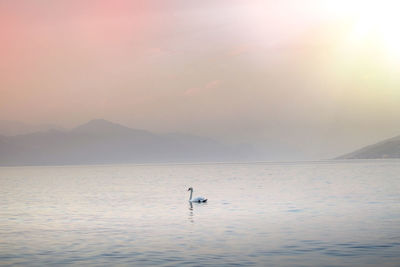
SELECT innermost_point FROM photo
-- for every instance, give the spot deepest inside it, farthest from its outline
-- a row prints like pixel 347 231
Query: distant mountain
pixel 389 148
pixel 100 126
pixel 10 128
pixel 100 141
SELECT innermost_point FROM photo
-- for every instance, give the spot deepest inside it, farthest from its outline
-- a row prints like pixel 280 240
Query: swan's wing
pixel 203 199
pixel 199 199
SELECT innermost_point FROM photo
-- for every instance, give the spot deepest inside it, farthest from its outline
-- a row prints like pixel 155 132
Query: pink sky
pixel 240 70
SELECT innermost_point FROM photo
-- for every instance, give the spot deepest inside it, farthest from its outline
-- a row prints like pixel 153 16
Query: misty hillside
pixel 100 141
pixel 389 148
pixel 10 128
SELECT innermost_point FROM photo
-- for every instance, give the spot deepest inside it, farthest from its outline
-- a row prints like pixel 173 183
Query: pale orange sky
pixel 319 77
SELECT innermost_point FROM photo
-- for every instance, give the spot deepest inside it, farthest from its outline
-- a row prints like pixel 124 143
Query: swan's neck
pixel 191 193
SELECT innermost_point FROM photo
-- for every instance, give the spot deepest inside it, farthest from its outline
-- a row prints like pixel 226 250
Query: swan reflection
pixel 192 207
pixel 191 218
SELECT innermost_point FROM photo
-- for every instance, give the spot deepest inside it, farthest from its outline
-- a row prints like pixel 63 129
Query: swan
pixel 196 199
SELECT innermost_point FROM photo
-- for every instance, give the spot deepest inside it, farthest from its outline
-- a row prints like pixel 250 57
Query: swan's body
pixel 196 199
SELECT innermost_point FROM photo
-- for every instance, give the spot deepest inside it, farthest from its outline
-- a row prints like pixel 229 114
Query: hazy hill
pixel 389 148
pixel 10 128
pixel 100 141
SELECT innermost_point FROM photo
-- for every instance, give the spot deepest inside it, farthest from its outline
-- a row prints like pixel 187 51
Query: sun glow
pixel 378 21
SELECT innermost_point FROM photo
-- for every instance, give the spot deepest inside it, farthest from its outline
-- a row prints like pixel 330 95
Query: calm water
pixel 297 214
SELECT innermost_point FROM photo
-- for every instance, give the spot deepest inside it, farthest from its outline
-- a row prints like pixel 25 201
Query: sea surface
pixel 332 213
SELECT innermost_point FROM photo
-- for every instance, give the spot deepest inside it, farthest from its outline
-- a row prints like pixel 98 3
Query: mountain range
pixel 101 142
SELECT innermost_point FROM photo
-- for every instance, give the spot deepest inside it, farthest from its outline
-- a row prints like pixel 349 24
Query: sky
pixel 306 79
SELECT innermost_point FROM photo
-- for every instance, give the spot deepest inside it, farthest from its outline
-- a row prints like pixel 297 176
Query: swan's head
pixel 190 189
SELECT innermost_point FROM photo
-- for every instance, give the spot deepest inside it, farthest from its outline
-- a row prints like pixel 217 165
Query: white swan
pixel 196 199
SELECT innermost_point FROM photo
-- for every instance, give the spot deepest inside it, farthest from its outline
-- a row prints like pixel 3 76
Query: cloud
pixel 214 84
pixel 238 50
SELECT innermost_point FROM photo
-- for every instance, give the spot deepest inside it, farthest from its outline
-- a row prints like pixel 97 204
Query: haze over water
pixel 337 213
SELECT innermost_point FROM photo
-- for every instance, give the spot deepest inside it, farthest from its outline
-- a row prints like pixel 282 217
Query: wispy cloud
pixel 238 50
pixel 214 84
